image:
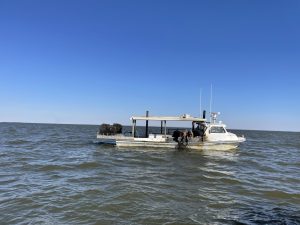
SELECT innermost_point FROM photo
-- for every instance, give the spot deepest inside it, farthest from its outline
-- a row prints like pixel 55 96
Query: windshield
pixel 216 129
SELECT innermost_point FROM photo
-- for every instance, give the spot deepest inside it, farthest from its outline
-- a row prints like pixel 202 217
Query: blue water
pixel 58 174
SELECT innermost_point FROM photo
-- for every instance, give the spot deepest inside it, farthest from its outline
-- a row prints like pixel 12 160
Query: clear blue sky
pixel 102 61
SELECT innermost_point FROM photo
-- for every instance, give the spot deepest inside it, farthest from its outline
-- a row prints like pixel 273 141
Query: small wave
pixel 280 195
pixel 8 181
pixel 88 165
pixel 217 172
pixel 53 167
pixel 17 142
pixel 261 216
pixel 229 181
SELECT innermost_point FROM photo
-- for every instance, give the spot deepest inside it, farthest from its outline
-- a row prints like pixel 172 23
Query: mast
pixel 210 103
pixel 200 102
pixel 146 131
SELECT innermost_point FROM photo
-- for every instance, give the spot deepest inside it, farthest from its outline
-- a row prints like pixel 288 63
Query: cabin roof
pixel 168 118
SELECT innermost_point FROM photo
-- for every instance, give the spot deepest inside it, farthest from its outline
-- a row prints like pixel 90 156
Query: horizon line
pixel 86 124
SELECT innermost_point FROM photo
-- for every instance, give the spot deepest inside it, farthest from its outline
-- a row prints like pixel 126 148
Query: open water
pixel 58 174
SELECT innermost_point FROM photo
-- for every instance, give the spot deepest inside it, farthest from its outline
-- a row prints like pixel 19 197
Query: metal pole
pixel 210 102
pixel 165 128
pixel 133 128
pixel 161 127
pixel 146 132
pixel 200 101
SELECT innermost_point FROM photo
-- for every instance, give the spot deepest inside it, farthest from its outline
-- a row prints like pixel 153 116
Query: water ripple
pixel 58 174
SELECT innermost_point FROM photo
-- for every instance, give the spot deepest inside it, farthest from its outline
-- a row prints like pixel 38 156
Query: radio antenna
pixel 200 102
pixel 210 103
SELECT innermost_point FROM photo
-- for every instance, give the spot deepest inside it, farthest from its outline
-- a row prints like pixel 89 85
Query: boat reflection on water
pixel 231 155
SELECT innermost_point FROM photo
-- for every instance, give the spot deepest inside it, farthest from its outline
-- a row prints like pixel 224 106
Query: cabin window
pixel 217 130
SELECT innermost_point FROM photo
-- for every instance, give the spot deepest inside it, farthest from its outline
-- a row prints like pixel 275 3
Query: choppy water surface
pixel 57 174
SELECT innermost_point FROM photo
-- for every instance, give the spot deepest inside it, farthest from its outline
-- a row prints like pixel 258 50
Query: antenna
pixel 210 103
pixel 200 102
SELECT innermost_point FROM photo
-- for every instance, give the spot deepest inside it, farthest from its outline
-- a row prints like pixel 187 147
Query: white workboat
pixel 203 135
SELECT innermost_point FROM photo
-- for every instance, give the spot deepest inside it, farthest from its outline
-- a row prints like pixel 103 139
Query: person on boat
pixel 184 138
pixel 196 132
pixel 189 134
pixel 202 130
pixel 176 135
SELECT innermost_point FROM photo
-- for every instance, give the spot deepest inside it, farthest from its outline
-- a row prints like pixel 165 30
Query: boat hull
pixel 175 145
pixel 149 144
pixel 124 142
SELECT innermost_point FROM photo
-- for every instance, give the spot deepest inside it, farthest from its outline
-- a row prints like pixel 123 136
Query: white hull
pixel 121 141
pixel 199 146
